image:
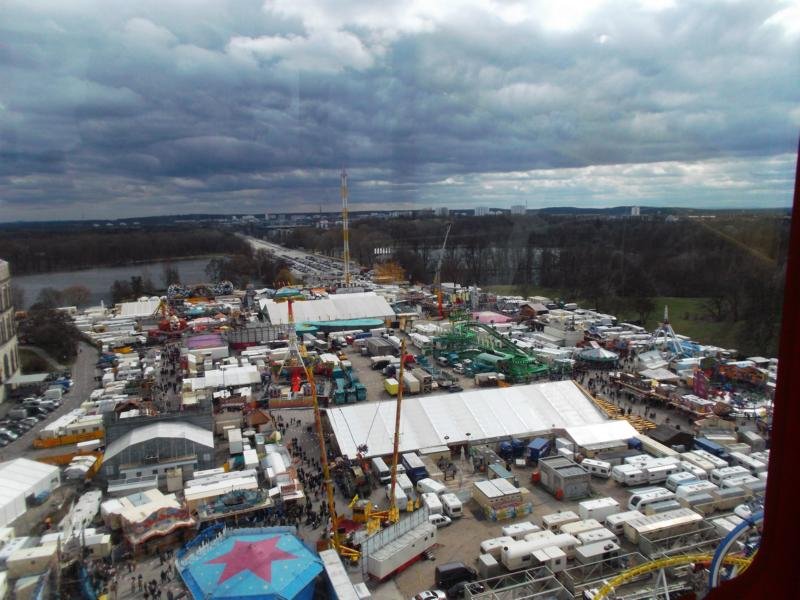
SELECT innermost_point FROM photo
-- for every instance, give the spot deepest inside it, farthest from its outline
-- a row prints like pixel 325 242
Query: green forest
pixel 732 268
pixel 42 251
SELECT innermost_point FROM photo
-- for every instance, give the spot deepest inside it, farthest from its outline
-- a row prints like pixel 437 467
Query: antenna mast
pixel 345 230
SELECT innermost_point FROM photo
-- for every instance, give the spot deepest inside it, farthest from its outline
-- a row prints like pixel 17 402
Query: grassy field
pixel 687 316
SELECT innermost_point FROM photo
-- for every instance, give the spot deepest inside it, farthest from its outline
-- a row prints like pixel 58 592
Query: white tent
pixel 367 305
pixel 474 416
pixel 20 478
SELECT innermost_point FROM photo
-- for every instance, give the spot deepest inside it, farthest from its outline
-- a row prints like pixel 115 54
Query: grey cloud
pixel 211 103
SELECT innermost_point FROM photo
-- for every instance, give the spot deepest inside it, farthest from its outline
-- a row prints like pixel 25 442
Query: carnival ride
pixel 722 565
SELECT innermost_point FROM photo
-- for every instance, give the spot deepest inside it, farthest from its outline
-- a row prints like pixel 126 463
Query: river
pixel 98 281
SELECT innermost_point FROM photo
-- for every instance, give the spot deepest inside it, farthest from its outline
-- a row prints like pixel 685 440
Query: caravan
pixel 598 468
pixel 629 475
pixel 639 500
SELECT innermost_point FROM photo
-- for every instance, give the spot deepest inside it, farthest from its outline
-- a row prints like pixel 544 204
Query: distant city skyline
pixel 218 106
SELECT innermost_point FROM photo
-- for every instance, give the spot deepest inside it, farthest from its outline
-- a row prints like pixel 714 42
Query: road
pixel 304 263
pixel 83 383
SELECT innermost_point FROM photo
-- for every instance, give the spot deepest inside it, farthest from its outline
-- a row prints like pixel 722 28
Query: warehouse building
pixel 475 416
pixel 23 479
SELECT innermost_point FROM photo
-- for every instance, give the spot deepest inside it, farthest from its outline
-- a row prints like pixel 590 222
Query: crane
pixel 437 278
pixel 289 295
pixel 362 510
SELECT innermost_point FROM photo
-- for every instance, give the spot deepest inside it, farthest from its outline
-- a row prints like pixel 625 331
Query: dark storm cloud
pixel 114 109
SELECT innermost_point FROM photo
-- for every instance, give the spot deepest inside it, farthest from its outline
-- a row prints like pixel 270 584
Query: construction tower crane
pixel 345 230
pixel 437 278
pixel 362 510
pixel 289 295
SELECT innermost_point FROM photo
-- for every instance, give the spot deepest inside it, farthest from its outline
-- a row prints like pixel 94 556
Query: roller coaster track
pixel 662 563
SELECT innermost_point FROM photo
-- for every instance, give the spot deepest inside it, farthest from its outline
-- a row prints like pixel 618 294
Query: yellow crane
pixel 362 509
pixel 289 295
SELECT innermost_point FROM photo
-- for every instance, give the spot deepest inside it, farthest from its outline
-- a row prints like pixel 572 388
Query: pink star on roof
pixel 256 557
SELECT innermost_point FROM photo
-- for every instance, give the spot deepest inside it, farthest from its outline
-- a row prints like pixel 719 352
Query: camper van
pixel 452 506
pixel 691 489
pixel 739 481
pixel 432 503
pixel 676 479
pixel 382 472
pixel 629 475
pixel 717 476
pixel 554 522
pixel 657 474
pixel 748 462
pixel 640 500
pixel 519 554
pixel 494 545
pixel 616 523
pixel 698 472
pixel 598 468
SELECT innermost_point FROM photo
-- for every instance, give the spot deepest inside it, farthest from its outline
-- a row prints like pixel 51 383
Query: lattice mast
pixel 345 230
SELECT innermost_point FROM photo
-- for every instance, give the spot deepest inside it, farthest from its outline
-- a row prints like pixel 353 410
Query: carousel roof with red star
pixel 252 566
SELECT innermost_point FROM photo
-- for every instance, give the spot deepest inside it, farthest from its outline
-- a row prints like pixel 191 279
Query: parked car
pixel 9 435
pixel 431 595
pixel 455 388
pixel 440 520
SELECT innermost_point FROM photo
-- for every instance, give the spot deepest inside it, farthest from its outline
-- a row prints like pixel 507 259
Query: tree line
pixel 38 251
pixel 735 263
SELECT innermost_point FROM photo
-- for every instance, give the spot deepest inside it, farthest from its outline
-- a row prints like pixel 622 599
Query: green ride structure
pixel 487 351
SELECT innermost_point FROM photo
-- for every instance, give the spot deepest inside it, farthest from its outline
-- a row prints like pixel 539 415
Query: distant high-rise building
pixel 442 211
pixel 9 354
pixel 481 211
pixel 635 211
pixel 518 209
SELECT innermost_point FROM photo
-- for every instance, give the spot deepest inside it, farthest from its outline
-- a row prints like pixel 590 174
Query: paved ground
pixel 83 383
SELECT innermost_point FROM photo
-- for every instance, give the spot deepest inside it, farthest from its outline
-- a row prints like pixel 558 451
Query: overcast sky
pixel 116 109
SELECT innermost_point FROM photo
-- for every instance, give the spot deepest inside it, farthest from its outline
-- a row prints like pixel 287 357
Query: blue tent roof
pixel 252 564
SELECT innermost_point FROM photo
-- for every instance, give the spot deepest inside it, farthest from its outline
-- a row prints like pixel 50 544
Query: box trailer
pixel 415 468
pixel 427 484
pixel 381 471
pixel 411 384
pixel 554 521
pixel 702 443
pixel 235 441
pixel 453 507
pixel 596 552
pixel 401 553
pixel 518 531
pixel 615 523
pixel 538 448
pixel 598 509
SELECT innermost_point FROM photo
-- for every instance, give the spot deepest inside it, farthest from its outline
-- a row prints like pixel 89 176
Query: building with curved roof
pixel 145 453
